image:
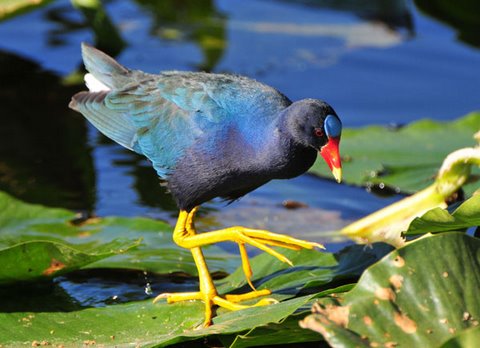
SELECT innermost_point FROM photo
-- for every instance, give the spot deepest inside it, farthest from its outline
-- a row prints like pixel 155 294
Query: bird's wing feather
pixel 164 130
pixel 221 96
pixel 161 116
pixel 118 128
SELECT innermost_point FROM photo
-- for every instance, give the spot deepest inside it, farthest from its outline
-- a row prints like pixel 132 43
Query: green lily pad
pixel 46 259
pixel 406 159
pixel 286 332
pixel 466 339
pixel 311 269
pixel 147 324
pixel 418 296
pixel 39 243
pixel 439 220
pixel 134 324
pixel 269 335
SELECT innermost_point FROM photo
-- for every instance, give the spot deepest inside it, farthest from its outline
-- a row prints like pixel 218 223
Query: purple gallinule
pixel 210 135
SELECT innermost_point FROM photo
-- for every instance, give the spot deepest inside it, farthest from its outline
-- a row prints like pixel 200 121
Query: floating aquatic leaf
pixel 418 296
pixel 39 242
pixel 465 339
pixel 147 324
pixel 438 220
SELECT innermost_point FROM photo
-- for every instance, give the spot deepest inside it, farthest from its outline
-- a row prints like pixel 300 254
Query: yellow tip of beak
pixel 337 173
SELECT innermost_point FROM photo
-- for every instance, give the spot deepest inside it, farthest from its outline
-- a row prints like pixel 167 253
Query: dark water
pixel 374 61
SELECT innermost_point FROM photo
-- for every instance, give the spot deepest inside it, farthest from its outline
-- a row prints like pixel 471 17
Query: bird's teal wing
pixel 161 116
pixel 140 119
pixel 222 98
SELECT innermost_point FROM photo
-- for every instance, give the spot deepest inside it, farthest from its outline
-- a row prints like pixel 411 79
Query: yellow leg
pixel 185 236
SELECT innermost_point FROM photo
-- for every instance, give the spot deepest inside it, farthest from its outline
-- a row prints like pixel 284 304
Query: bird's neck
pixel 289 157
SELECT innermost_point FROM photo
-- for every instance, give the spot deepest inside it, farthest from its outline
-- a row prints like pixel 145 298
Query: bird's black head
pixel 314 123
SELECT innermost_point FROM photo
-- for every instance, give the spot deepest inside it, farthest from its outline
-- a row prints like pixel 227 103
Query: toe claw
pixel 161 297
pixel 266 302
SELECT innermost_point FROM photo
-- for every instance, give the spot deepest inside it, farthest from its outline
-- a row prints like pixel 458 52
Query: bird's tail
pixel 104 70
pixel 105 75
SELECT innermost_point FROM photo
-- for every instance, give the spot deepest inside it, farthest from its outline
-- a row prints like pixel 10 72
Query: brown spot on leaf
pixel 452 330
pixel 443 321
pixel 385 294
pixel 390 344
pixel 374 344
pixel 337 314
pixel 405 323
pixel 367 320
pixel 397 281
pixel 398 261
pixel 55 266
pixel 27 321
pixel 316 308
pixel 82 220
pixel 290 204
pixel 445 274
pixel 466 316
pixel 315 323
pixel 84 234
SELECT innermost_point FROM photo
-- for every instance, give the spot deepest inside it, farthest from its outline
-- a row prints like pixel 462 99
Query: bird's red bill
pixel 331 155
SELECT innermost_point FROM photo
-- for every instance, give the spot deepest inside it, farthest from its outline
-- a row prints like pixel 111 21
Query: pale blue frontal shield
pixel 333 126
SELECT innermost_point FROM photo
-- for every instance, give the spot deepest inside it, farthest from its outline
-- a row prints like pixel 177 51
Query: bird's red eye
pixel 319 132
